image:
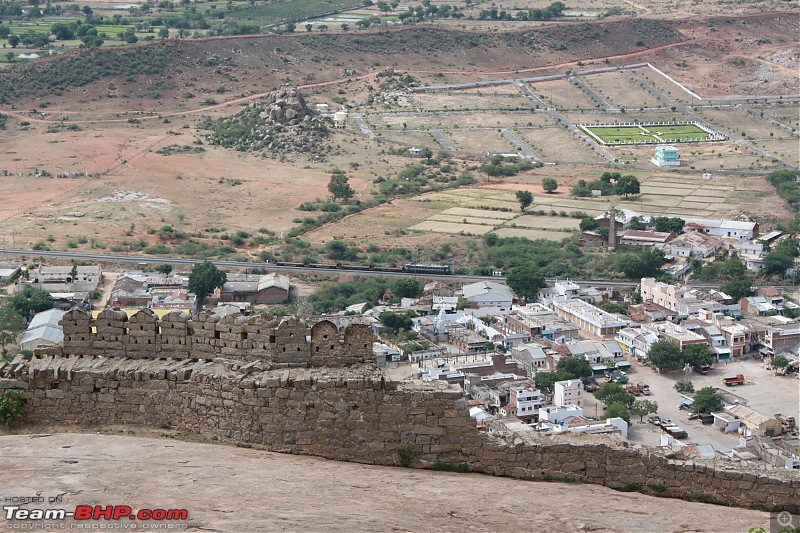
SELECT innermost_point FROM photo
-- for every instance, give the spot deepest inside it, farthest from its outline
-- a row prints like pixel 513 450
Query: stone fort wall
pixel 341 410
pixel 286 342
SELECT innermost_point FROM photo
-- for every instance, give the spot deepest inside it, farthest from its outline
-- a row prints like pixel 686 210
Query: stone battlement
pixel 280 342
pixel 353 414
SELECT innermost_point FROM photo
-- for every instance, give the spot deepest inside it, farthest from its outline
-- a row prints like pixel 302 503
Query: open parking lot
pixel 764 392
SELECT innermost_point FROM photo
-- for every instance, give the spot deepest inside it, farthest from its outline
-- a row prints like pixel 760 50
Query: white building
pixel 589 318
pixel 569 392
pixel 728 229
pixel 488 294
pixel 43 331
pixel 636 341
pixel 556 413
pixel 524 402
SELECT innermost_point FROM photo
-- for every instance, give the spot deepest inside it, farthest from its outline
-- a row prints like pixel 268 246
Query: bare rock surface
pixel 239 490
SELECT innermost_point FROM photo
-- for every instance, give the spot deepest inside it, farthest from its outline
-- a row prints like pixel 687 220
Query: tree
pixel 164 269
pixel 737 288
pixel 588 224
pixel 641 264
pixel 636 223
pixel 406 288
pixel 395 321
pixel 13 40
pixel 577 366
pixel 610 393
pixel 526 281
pixel 668 224
pixel 707 400
pixel 627 185
pixel 30 300
pixel 204 279
pixel 525 199
pixel 549 184
pixel 309 27
pixel 684 385
pixel 665 355
pixel 163 33
pixel 697 355
pixel 777 262
pixel 290 27
pixel 63 32
pixel 642 408
pixel 618 410
pixel 11 323
pixel 779 361
pixel 547 380
pixel 339 187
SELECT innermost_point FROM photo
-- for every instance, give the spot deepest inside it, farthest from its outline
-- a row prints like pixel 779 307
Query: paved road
pixel 510 137
pixel 442 140
pixel 593 95
pixel 365 129
pixel 527 93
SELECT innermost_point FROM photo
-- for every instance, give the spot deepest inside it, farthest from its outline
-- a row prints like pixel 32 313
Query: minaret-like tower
pixel 612 230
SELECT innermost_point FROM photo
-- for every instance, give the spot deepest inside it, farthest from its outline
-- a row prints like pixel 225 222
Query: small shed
pixel 755 422
pixel 726 422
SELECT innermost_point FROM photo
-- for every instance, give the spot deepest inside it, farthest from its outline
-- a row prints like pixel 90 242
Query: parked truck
pixel 734 380
pixel 674 431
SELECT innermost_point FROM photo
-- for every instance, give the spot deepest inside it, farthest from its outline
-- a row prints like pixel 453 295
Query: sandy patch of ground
pixel 233 489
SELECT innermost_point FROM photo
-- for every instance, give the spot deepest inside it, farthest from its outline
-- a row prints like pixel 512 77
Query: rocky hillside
pixel 278 125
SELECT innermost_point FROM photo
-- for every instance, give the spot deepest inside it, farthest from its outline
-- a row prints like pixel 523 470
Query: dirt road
pixel 239 490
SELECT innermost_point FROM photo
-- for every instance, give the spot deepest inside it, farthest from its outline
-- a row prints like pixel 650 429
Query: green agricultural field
pixel 646 133
pixel 294 10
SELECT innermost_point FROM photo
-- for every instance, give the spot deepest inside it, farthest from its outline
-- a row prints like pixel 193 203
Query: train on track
pixel 410 268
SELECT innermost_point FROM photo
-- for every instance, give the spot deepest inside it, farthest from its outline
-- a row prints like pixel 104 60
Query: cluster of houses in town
pixel 701 238
pixel 493 346
pixel 74 286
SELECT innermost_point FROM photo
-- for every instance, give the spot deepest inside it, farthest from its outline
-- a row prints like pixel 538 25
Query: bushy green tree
pixel 525 199
pixel 11 323
pixel 708 400
pixel 406 288
pixel 526 281
pixel 627 185
pixel 684 385
pixel 610 393
pixel 588 224
pixel 618 410
pixel 668 224
pixel 665 355
pixel 339 186
pixel 737 288
pixel 641 264
pixel 204 279
pixel 395 321
pixel 549 184
pixel 642 408
pixel 697 354
pixel 576 366
pixel 30 300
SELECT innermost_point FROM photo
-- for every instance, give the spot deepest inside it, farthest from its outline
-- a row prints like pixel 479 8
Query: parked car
pixel 644 388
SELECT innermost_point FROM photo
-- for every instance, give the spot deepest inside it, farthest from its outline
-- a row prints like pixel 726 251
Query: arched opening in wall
pixel 316 349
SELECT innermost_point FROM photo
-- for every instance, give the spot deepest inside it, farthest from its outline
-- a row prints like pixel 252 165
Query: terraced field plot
pixel 618 89
pixel 786 149
pixel 786 115
pixel 646 133
pixel 479 141
pixel 499 97
pixel 557 144
pixel 420 139
pixel 562 94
